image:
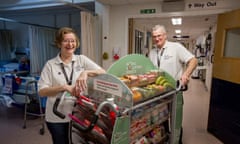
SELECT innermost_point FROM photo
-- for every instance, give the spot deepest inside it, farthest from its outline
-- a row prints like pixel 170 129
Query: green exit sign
pixel 147 11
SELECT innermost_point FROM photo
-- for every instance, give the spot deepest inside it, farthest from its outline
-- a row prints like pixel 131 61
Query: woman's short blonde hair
pixel 60 35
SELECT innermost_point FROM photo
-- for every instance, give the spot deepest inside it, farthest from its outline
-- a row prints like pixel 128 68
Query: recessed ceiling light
pixel 178 31
pixel 176 21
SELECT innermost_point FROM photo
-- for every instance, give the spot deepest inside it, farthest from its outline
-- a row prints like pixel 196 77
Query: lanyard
pixel 159 58
pixel 69 81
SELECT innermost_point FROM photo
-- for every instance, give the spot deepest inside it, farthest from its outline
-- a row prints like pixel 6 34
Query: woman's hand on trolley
pixel 81 84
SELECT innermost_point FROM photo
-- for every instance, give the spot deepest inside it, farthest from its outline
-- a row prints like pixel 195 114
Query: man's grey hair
pixel 160 28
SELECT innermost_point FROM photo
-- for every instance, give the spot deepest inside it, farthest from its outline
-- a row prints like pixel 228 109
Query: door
pixel 224 110
pixel 227 47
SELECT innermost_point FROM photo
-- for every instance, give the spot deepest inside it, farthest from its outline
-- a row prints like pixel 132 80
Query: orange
pixel 161 88
pixel 137 96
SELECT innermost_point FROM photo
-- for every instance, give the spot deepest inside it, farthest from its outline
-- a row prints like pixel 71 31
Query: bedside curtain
pixel 5 44
pixel 90 45
pixel 41 43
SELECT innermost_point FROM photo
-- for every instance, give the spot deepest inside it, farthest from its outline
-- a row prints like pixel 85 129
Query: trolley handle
pixel 79 125
pixel 55 110
pixel 181 87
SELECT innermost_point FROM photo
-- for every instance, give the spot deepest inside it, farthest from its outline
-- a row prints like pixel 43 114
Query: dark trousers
pixel 59 132
pixel 166 126
pixel 181 134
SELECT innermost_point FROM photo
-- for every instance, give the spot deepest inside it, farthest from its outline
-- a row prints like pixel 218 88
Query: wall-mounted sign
pixel 203 5
pixel 147 11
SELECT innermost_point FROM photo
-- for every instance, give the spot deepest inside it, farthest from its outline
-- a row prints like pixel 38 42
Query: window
pixel 232 43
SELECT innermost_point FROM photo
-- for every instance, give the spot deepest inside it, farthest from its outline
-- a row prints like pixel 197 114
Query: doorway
pixel 197 35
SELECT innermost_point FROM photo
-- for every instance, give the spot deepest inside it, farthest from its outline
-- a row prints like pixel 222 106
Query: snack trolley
pixel 126 106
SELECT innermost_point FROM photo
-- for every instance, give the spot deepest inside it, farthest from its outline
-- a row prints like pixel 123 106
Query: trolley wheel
pixel 24 127
pixel 41 131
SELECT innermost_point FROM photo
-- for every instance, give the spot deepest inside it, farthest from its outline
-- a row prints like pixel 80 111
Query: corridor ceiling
pixel 192 27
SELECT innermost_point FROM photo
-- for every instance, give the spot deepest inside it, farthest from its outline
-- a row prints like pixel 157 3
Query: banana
pixel 162 82
pixel 160 78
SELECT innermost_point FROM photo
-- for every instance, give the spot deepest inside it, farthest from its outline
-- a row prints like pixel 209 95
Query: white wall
pixel 103 15
pixel 117 28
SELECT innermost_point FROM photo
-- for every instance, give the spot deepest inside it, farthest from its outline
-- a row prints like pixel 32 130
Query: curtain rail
pixel 15 21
